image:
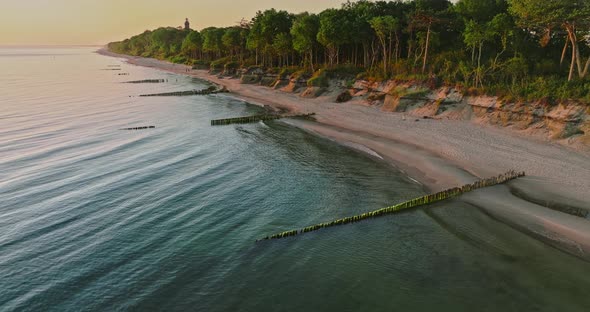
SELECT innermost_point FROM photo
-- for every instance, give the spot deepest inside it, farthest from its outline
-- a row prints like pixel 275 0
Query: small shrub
pixel 345 71
pixel 273 70
pixel 178 59
pixel 220 63
pixel 319 79
pixel 303 73
pixel 201 64
pixel 231 66
pixel 419 93
pixel 288 71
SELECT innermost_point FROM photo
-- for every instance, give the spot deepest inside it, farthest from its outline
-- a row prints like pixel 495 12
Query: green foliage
pixel 409 93
pixel 446 67
pixel 212 40
pixel 551 89
pixel 178 59
pixel 319 79
pixel 192 44
pixel 303 73
pixel 335 29
pixel 201 64
pixel 480 11
pixel 265 28
pixel 304 32
pixel 343 71
pixel 288 71
pixel 231 66
pixel 161 43
pixel 487 46
pixel 415 77
pixel 232 38
pixel 282 43
pixel 219 64
pixel 540 14
pixel 385 27
pixel 322 77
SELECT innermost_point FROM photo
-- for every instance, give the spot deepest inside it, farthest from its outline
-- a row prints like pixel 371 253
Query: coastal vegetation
pixel 518 49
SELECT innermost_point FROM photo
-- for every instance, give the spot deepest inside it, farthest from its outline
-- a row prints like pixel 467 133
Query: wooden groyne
pixel 114 68
pixel 210 90
pixel 139 128
pixel 255 118
pixel 417 202
pixel 147 81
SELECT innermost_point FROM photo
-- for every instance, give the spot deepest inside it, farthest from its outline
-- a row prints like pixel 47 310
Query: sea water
pixel 94 218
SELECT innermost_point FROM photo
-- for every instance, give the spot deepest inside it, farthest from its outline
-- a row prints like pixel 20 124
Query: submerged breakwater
pixel 140 128
pixel 147 81
pixel 255 118
pixel 210 90
pixel 417 202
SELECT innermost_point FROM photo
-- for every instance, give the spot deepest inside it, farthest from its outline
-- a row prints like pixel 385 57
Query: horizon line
pixel 2 45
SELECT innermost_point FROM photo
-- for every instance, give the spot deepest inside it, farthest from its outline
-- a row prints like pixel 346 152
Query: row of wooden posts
pixel 140 128
pixel 148 81
pixel 424 200
pixel 210 90
pixel 255 118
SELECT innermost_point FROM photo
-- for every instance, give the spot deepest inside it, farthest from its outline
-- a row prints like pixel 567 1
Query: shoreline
pixel 443 154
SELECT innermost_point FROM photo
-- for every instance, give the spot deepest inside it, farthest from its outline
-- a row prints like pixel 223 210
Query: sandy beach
pixel 446 153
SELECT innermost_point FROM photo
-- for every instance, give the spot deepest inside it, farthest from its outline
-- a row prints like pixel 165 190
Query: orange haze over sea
pixel 62 22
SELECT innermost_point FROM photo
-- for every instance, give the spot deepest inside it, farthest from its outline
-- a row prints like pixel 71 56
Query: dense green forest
pixel 524 49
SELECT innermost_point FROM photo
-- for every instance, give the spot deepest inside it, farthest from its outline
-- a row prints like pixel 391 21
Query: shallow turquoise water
pixel 97 219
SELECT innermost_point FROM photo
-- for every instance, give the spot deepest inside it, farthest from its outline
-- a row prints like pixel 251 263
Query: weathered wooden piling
pixel 147 81
pixel 413 203
pixel 139 128
pixel 210 90
pixel 255 118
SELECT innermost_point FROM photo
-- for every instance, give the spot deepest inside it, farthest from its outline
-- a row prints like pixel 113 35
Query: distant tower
pixel 187 25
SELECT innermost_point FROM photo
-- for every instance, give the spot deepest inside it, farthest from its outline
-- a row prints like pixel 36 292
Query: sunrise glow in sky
pixel 24 22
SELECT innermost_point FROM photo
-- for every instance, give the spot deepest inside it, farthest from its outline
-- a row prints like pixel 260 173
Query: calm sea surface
pixel 97 219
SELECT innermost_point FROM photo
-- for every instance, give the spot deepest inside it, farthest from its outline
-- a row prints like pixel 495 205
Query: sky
pixel 98 22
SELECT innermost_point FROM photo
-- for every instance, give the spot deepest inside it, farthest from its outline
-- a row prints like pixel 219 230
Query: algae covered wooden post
pixel 413 203
pixel 207 91
pixel 255 118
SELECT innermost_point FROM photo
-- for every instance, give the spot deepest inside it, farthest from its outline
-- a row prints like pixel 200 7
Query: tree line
pixel 530 47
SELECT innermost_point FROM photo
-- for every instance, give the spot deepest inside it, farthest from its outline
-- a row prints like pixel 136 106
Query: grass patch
pixel 409 92
pixel 319 79
pixel 220 63
pixel 178 59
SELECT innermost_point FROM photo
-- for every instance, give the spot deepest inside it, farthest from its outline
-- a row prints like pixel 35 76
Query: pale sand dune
pixel 447 153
